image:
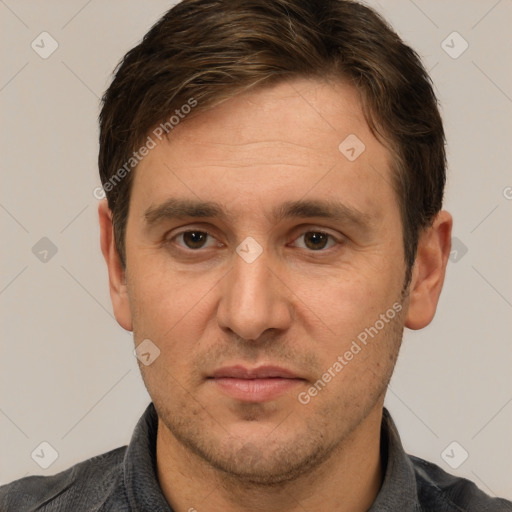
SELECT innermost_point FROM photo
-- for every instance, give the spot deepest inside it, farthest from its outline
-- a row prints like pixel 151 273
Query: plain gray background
pixel 68 375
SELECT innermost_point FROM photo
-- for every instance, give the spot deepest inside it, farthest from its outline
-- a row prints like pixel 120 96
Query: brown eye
pixel 315 240
pixel 194 239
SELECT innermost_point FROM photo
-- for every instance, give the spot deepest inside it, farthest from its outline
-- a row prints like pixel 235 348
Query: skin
pixel 296 306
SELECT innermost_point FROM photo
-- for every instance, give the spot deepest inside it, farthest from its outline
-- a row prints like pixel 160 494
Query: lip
pixel 254 384
pixel 261 372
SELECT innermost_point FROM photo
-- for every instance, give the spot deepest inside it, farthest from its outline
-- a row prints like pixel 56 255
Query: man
pixel 274 173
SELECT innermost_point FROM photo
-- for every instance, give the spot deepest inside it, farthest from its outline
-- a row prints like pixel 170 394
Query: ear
pixel 428 273
pixel 116 273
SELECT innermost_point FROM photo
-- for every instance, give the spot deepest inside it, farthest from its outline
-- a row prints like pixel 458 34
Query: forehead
pixel 292 139
pixel 292 118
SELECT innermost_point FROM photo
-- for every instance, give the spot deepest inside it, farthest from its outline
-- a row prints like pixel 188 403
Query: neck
pixel 348 481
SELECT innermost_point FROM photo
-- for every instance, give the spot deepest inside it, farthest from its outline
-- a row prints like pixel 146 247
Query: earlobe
pixel 429 271
pixel 116 273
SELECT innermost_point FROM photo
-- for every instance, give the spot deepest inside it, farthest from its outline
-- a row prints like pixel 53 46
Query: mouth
pixel 254 384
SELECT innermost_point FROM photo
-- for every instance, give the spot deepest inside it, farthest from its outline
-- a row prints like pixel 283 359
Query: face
pixel 267 266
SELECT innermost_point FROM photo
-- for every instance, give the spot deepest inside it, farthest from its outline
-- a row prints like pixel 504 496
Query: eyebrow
pixel 174 208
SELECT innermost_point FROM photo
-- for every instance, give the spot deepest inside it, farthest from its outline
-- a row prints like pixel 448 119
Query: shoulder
pixel 441 491
pixel 85 486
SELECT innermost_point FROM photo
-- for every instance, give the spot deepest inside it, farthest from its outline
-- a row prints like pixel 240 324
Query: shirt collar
pixel 140 473
pixel 398 490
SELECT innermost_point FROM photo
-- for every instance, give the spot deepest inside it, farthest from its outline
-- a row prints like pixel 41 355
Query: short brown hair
pixel 210 50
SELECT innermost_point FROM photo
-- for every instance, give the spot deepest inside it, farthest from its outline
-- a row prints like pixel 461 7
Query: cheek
pixel 156 285
pixel 170 308
pixel 351 339
pixel 345 304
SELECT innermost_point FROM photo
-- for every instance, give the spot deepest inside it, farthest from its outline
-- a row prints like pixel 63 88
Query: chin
pixel 259 463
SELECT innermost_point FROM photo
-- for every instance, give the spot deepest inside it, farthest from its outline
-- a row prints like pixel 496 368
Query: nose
pixel 253 299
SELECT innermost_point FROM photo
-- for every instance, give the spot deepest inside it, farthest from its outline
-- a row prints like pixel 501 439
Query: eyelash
pixel 169 241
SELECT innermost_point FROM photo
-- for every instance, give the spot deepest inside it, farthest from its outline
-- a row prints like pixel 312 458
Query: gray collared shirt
pixel 125 479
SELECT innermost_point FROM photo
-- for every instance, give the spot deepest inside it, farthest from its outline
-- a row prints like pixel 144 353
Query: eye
pixel 316 240
pixel 193 239
pixel 197 239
